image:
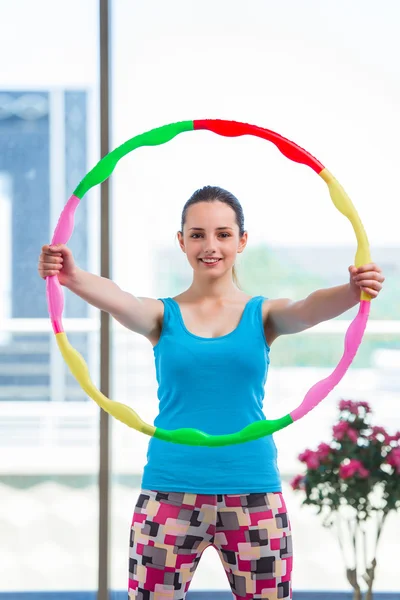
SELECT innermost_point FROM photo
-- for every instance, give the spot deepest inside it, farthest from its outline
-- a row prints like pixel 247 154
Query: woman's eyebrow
pixel 201 228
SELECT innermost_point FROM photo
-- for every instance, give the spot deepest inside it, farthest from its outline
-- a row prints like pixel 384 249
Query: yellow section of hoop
pixel 80 371
pixel 343 203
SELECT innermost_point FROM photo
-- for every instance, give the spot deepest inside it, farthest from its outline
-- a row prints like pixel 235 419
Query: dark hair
pixel 210 193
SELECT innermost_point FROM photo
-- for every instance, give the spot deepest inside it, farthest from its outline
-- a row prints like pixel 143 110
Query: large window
pixel 48 427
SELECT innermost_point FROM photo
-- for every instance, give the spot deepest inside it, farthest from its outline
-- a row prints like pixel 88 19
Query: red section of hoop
pixel 234 129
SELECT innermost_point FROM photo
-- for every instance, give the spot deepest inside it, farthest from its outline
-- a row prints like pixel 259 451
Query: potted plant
pixel 352 480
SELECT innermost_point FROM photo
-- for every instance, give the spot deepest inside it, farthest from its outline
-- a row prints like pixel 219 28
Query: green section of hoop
pixel 106 165
pixel 194 437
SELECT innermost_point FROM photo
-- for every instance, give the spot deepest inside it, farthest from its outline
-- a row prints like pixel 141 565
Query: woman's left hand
pixel 367 278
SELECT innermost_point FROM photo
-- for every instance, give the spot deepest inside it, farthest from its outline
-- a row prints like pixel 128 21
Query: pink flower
pixel 363 472
pixel 393 459
pixel 349 470
pixel 352 434
pixel 323 451
pixel 381 432
pixel 340 430
pixel 298 482
pixel 310 458
pixel 348 405
pixel 353 407
pixel 394 438
pixel 353 467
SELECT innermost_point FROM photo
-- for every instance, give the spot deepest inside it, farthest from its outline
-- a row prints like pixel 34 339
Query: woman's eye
pixel 224 234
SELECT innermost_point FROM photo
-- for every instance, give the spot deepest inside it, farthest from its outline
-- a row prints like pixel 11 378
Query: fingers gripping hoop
pixel 75 361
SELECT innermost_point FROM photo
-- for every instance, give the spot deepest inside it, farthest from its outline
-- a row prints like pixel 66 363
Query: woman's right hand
pixel 57 260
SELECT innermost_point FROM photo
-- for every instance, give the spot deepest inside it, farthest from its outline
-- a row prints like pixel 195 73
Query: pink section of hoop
pixel 65 225
pixel 352 341
pixel 54 293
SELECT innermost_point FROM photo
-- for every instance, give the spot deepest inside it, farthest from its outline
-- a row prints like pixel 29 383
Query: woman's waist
pixel 213 421
pixel 167 453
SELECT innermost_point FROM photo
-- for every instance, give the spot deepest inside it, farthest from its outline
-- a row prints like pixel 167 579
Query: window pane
pixel 314 75
pixel 48 427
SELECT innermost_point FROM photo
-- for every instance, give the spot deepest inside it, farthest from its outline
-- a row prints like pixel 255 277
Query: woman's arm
pixel 285 316
pixel 139 314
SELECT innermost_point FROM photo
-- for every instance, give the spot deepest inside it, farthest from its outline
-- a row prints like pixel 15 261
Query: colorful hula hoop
pixel 76 363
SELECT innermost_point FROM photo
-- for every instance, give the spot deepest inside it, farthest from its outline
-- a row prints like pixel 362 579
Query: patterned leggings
pixel 170 531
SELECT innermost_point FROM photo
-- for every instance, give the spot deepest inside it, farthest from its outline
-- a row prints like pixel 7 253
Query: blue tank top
pixel 215 385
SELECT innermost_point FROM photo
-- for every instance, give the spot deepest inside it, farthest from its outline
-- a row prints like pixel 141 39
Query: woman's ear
pixel 243 242
pixel 179 236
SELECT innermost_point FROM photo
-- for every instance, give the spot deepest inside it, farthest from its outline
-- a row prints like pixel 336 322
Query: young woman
pixel 211 346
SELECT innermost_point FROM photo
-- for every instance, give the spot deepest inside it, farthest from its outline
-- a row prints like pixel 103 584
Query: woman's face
pixel 211 231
